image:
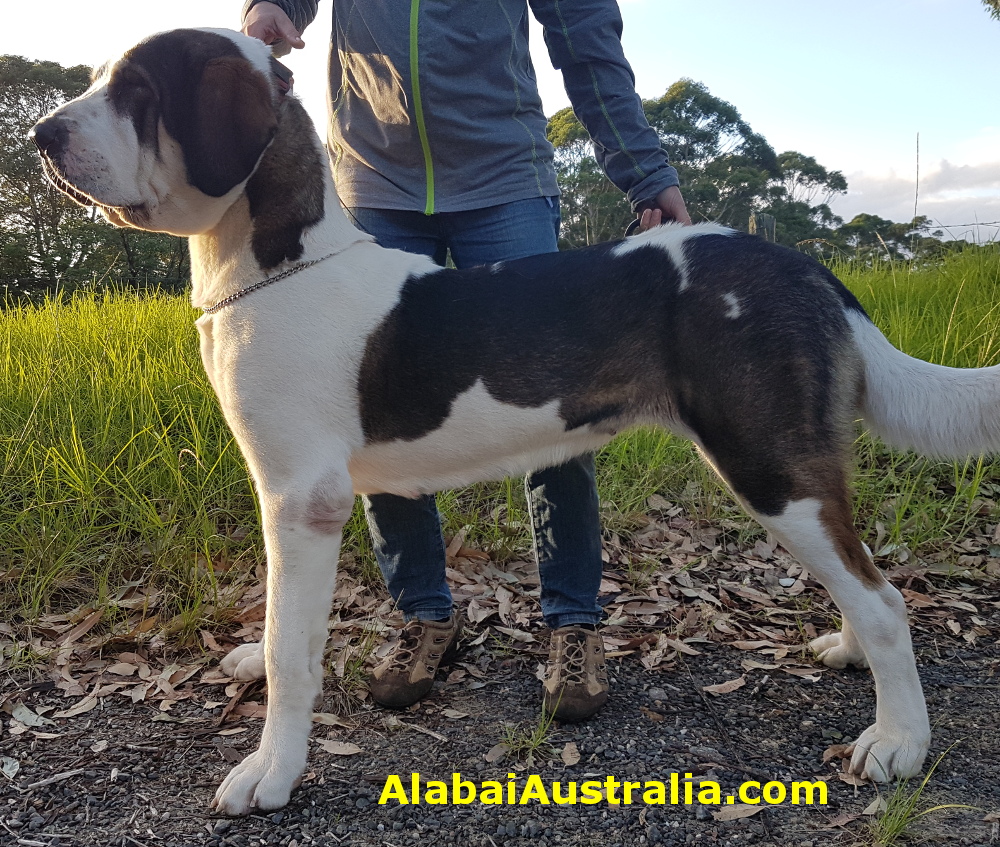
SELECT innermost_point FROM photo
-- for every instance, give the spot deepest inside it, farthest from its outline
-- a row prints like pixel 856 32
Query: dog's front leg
pixel 303 520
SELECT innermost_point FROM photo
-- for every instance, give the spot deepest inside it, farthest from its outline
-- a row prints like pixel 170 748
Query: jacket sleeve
pixel 583 38
pixel 300 12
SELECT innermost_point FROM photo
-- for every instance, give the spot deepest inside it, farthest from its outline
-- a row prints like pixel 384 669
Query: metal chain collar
pixel 294 269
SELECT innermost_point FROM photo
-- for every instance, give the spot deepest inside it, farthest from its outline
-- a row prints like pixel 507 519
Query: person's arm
pixel 584 43
pixel 281 20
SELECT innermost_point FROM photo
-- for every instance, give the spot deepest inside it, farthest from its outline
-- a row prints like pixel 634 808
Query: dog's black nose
pixel 49 135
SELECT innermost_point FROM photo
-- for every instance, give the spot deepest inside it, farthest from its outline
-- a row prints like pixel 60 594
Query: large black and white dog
pixel 359 369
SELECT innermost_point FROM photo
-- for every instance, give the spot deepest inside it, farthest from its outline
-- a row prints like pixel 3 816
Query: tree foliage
pixel 727 173
pixel 45 239
pixel 806 180
pixel 993 6
pixel 871 237
pixel 724 166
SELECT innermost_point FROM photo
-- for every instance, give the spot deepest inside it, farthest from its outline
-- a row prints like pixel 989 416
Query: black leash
pixel 632 227
pixel 282 74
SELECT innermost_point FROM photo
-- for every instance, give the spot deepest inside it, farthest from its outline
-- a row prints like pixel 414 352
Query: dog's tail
pixel 934 410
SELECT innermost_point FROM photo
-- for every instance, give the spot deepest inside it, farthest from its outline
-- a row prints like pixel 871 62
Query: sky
pixel 852 83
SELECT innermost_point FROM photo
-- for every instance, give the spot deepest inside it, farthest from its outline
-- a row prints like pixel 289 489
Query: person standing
pixel 437 143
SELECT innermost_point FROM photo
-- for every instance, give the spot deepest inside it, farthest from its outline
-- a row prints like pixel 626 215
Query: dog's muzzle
pixel 51 136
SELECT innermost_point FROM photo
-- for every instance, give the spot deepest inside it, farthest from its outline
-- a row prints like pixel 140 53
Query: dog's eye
pixel 123 75
pixel 132 95
pixel 129 84
pixel 130 88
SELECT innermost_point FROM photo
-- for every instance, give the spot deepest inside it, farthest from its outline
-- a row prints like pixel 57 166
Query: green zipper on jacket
pixel 418 108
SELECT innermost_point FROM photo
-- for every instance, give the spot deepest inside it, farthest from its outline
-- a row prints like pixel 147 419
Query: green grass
pixel 118 467
pixel 530 742
pixel 949 314
pixel 121 479
pixel 903 805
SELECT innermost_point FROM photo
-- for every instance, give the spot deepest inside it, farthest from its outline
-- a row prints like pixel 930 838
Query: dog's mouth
pixel 118 215
pixel 53 175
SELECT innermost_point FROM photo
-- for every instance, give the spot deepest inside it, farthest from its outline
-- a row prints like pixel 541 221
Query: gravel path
pixel 123 738
pixel 122 775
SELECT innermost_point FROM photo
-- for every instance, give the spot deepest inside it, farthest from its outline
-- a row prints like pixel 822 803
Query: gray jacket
pixel 434 105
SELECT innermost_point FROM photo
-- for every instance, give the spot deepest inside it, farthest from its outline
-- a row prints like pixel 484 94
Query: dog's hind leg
pixel 818 532
pixel 805 503
pixel 303 517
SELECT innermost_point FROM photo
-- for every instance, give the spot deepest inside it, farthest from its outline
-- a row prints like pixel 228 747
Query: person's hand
pixel 268 23
pixel 669 207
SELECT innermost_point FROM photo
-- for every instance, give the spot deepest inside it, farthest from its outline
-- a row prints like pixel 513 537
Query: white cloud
pixel 961 199
pixel 974 180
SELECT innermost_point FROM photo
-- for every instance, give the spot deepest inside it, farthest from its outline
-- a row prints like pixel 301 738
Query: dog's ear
pixel 235 120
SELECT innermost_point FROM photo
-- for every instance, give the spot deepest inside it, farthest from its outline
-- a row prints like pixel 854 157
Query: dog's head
pixel 166 136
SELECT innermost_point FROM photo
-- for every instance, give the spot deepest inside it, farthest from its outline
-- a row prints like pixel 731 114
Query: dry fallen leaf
pixel 680 646
pixel 837 751
pixel 570 754
pixel 807 674
pixel 210 643
pixel 339 748
pixel 736 811
pixel 843 819
pixel 326 719
pixel 25 716
pixel 257 711
pixel 655 717
pixel 477 613
pixel 726 687
pixel 81 628
pixel 851 779
pixel 83 706
pixel 516 634
pixel 751 665
pixel 752 645
pixel 496 752
pixel 877 805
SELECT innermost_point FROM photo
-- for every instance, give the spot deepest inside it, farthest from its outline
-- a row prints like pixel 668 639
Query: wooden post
pixel 763 225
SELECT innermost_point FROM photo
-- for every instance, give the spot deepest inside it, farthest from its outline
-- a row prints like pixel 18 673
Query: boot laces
pixel 406 647
pixel 574 657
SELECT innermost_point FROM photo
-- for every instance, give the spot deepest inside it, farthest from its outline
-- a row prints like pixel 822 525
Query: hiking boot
pixel 407 673
pixel 575 685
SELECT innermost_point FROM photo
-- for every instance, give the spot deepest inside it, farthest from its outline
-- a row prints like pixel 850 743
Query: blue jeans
pixel 563 502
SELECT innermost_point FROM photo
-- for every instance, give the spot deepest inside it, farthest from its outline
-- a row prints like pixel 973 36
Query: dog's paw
pixel 260 781
pixel 882 755
pixel 832 652
pixel 244 662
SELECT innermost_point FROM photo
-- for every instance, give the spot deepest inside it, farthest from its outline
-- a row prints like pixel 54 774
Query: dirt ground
pixel 122 743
